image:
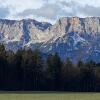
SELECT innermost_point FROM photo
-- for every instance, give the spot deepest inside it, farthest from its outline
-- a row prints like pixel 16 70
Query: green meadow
pixel 49 96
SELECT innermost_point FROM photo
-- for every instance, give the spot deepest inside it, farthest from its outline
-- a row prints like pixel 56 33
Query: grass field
pixel 49 96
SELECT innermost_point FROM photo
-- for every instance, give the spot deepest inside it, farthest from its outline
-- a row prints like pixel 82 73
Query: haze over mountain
pixel 73 37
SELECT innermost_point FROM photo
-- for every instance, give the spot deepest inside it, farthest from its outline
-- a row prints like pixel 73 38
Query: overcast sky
pixel 48 10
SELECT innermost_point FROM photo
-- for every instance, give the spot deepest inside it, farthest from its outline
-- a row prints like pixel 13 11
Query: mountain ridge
pixel 73 37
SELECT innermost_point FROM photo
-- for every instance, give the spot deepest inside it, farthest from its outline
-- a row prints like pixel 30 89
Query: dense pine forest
pixel 27 70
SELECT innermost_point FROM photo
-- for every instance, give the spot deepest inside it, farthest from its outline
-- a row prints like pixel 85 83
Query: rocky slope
pixel 77 38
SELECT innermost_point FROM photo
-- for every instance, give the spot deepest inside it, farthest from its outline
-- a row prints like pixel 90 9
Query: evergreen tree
pixel 3 67
pixel 87 74
pixel 54 69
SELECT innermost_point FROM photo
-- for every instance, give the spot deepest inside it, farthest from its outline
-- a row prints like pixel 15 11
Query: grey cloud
pixel 50 11
pixel 86 10
pixel 4 12
pixel 90 10
pixel 68 4
pixel 53 11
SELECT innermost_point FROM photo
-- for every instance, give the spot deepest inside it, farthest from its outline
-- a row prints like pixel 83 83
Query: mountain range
pixel 73 37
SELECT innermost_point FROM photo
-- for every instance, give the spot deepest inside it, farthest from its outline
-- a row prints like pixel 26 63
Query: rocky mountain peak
pixel 68 36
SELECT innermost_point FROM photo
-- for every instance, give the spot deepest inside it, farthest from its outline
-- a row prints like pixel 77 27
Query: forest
pixel 28 70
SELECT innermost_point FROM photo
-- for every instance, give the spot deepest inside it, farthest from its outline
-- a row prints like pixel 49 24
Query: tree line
pixel 28 70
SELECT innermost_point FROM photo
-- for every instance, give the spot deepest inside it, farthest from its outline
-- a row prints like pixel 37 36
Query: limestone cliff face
pixel 26 30
pixel 31 30
pixel 68 36
pixel 81 25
